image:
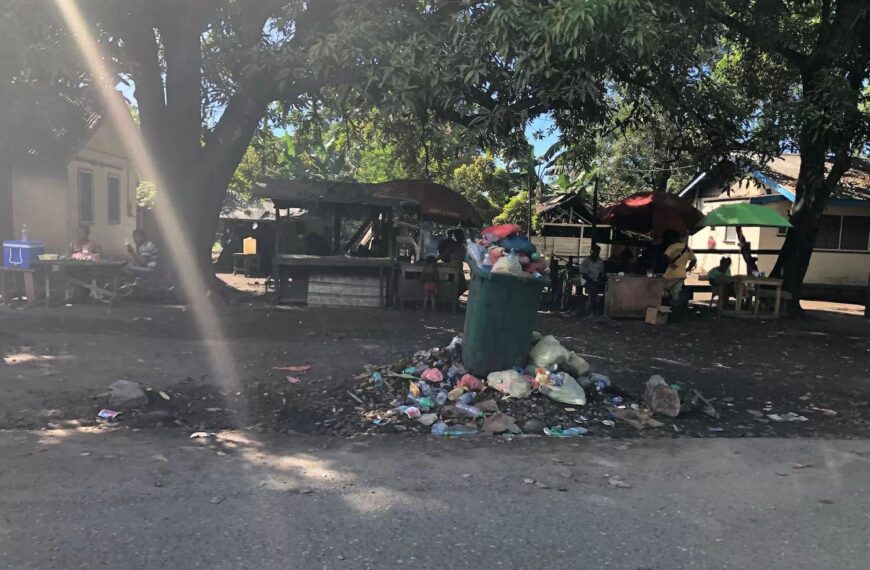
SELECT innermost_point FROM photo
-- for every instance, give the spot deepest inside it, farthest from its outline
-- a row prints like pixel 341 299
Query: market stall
pixel 651 215
pixel 352 257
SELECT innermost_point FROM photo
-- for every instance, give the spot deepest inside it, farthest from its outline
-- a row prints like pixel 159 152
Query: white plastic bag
pixel 576 365
pixel 570 392
pixel 548 352
pixel 509 263
pixel 510 382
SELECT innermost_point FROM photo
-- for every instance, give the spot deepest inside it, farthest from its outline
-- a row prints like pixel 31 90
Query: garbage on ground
pixel 661 398
pixel 108 414
pixel 787 417
pixel 569 432
pixel 510 382
pixel 695 402
pixel 499 423
pixel 432 390
pixel 638 419
pixel 567 392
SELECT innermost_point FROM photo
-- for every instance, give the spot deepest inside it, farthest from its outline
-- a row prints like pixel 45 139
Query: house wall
pixel 826 267
pixel 103 155
pixel 47 199
pixel 39 200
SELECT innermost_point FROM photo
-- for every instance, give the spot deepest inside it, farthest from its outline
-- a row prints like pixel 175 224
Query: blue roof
pixel 773 185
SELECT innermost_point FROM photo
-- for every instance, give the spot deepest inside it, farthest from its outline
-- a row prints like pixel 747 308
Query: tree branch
pixel 761 36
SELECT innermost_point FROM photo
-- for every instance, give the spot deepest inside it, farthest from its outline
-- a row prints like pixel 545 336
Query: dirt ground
pixel 57 362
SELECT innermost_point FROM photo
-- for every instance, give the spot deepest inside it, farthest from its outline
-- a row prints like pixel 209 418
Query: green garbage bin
pixel 499 320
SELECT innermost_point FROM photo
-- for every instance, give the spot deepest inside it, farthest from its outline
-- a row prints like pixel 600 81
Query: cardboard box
pixel 657 315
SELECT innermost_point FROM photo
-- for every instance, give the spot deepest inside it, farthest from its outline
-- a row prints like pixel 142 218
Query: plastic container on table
pixel 19 254
pixel 499 320
pixel 249 245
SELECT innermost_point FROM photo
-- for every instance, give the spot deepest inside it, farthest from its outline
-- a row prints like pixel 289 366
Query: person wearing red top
pixel 83 245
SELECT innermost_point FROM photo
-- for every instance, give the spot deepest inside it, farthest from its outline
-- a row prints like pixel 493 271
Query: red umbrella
pixel 652 213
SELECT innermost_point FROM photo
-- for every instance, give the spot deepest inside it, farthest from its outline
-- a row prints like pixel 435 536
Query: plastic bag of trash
pixel 570 392
pixel 501 231
pixel 509 263
pixel 576 365
pixel 510 382
pixel 547 352
pixel 661 398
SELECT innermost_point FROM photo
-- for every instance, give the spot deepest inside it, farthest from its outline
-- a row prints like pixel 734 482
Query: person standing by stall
pixel 593 277
pixel 681 259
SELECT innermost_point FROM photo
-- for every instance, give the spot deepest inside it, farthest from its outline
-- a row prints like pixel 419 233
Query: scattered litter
pixel 695 402
pixel 510 382
pixel 108 414
pixel 214 410
pixel 427 419
pixel 638 419
pixel 355 397
pixel 661 398
pixel 608 423
pixel 569 392
pixel 293 380
pixel 569 432
pixel 217 500
pixel 529 481
pixel 432 375
pixel 498 423
pixel 202 434
pixel 715 429
pixel 787 417
pixel 826 411
pixel 802 466
pixel 381 421
pixel 164 395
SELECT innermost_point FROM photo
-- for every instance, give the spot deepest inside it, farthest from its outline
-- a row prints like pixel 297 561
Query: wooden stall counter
pixel 629 296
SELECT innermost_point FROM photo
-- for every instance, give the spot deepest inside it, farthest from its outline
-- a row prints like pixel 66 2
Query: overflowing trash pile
pixel 556 395
pixel 501 249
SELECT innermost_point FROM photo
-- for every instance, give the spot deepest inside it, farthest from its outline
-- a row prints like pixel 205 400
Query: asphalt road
pixel 157 499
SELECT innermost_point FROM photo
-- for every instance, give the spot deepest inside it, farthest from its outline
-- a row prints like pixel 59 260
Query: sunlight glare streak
pixel 184 258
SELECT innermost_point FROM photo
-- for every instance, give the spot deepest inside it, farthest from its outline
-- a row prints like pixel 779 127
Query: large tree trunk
pixel 811 195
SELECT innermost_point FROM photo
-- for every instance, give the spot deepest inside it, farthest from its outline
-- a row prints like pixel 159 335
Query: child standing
pixel 429 278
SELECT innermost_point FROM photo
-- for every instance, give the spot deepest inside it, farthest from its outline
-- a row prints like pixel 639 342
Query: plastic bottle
pixel 466 398
pixel 441 429
pixel 468 410
pixel 24 232
pixel 441 397
pixel 377 378
pixel 426 389
pixel 600 381
pixel 424 402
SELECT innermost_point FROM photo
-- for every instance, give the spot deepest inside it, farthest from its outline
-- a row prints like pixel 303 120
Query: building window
pixel 86 197
pixel 856 233
pixel 730 234
pixel 114 199
pixel 844 233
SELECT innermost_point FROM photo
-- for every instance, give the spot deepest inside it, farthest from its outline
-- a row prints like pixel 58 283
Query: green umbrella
pixel 744 215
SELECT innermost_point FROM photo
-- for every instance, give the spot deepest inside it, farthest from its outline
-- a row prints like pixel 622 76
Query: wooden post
pixel 594 211
pixel 867 302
